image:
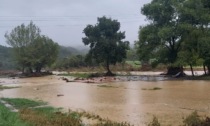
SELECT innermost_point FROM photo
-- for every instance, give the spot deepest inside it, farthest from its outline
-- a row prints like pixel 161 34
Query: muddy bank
pixel 115 79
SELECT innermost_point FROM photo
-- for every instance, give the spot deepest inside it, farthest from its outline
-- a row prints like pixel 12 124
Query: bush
pixel 154 122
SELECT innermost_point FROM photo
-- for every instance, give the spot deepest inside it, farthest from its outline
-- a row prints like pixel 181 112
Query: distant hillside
pixel 82 49
pixel 6 61
pixel 65 52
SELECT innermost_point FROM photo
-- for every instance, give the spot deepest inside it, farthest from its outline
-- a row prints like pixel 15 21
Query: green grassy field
pixel 134 64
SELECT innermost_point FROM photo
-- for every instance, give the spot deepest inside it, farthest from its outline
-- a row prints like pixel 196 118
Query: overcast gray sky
pixel 64 20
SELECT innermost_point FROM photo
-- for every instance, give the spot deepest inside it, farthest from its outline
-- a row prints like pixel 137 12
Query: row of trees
pixel 32 51
pixel 178 34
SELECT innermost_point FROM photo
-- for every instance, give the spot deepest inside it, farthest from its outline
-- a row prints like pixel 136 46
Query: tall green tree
pixel 32 51
pixel 20 38
pixel 195 17
pixel 106 42
pixel 43 52
pixel 148 43
pixel 162 37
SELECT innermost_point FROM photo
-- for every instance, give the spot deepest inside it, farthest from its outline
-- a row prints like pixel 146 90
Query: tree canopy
pixel 176 33
pixel 32 51
pixel 106 42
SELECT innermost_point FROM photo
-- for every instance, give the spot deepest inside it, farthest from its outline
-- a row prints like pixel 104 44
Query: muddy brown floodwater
pixel 118 101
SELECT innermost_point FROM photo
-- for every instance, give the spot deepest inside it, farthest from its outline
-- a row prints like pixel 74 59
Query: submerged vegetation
pixel 20 103
pixel 8 87
pixel 30 114
pixel 33 115
pixel 107 86
pixel 155 88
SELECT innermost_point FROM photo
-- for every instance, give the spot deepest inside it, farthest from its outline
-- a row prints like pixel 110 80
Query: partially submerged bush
pixel 154 122
pixel 194 120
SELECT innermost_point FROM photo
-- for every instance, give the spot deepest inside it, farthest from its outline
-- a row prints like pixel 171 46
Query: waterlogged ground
pixel 132 101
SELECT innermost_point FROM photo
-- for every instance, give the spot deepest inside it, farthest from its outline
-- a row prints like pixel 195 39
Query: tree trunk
pixel 30 70
pixel 204 69
pixel 175 71
pixel 38 69
pixel 109 73
pixel 23 69
pixel 191 68
pixel 208 67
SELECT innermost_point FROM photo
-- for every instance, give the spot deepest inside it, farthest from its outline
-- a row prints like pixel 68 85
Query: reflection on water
pixel 121 101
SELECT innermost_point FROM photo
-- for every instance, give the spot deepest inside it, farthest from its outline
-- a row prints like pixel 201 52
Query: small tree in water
pixel 106 42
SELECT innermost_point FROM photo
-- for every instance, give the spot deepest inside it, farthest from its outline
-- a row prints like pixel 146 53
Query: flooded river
pixel 131 101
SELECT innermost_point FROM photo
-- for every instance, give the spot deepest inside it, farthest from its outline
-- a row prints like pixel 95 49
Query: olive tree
pixel 106 42
pixel 32 51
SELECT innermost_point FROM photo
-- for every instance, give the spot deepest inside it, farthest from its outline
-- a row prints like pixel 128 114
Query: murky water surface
pixel 130 101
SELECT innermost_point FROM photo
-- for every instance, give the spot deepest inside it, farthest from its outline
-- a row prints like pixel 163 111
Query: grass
pixel 155 88
pixel 83 75
pixel 106 86
pixel 46 116
pixel 49 116
pixel 40 118
pixel 7 87
pixel 21 103
pixel 203 77
pixel 8 118
pixel 77 75
pixel 134 64
pixel 154 122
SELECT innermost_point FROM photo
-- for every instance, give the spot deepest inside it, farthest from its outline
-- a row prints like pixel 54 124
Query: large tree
pixel 162 37
pixel 195 17
pixel 32 51
pixel 106 42
pixel 178 33
pixel 43 52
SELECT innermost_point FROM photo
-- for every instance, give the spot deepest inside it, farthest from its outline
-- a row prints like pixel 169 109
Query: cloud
pixel 64 21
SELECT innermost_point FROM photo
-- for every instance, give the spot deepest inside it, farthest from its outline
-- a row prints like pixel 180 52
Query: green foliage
pixel 8 87
pixel 65 52
pixel 43 52
pixel 49 116
pixel 73 61
pixel 31 49
pixel 134 64
pixel 131 54
pixel 8 118
pixel 80 75
pixel 161 38
pixel 192 120
pixel 20 103
pixel 6 61
pixel 154 122
pixel 110 123
pixel 178 33
pixel 105 42
pixel 148 42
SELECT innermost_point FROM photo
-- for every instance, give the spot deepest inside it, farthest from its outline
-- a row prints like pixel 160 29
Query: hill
pixel 6 61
